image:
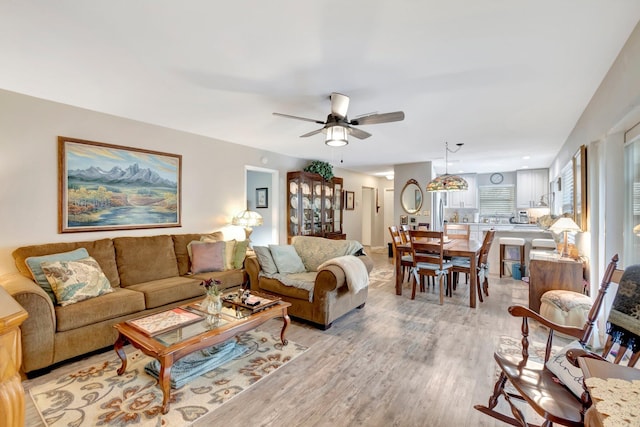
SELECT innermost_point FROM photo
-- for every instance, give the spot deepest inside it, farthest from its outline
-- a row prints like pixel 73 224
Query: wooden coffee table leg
pixel 164 380
pixel 118 347
pixel 286 321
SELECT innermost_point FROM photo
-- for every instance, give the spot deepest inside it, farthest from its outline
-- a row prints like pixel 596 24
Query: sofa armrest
pixel 332 277
pixel 252 267
pixel 39 329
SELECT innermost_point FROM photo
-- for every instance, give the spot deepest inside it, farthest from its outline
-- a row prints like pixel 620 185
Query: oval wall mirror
pixel 411 197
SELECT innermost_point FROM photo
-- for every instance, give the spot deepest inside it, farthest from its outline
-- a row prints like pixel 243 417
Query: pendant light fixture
pixel 448 182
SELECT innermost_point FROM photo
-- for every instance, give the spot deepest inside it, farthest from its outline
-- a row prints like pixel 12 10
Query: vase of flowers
pixel 212 303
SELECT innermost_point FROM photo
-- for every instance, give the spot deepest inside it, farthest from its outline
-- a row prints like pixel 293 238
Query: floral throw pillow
pixel 75 281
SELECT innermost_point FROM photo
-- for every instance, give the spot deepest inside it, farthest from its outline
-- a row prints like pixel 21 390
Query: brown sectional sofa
pixel 148 274
pixel 331 297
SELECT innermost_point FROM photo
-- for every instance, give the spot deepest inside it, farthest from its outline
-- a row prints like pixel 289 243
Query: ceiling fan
pixel 338 126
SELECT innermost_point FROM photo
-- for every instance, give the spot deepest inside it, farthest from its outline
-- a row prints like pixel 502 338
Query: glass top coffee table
pixel 186 330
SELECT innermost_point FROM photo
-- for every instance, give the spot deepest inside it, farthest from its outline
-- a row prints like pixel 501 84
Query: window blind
pixel 497 200
pixel 567 188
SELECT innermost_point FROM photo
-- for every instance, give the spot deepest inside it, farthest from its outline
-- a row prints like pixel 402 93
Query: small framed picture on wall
pixel 262 197
pixel 349 200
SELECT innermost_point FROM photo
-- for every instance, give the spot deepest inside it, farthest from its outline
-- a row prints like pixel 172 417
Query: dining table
pixel 452 248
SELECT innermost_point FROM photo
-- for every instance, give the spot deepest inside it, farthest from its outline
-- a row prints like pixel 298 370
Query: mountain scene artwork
pixel 111 187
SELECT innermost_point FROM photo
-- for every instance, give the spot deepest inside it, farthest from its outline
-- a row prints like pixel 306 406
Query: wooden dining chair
pixel 427 250
pixel 554 389
pixel 458 231
pixel 406 261
pixel 404 230
pixel 463 265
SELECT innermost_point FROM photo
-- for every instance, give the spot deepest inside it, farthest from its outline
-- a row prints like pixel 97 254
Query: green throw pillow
pixel 287 259
pixel 265 260
pixel 38 275
pixel 239 253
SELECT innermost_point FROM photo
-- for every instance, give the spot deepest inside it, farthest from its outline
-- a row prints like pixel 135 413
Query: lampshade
pixel 564 224
pixel 247 219
pixel 337 136
pixel 448 182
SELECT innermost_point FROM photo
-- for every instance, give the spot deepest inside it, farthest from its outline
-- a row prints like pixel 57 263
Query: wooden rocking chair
pixel 534 382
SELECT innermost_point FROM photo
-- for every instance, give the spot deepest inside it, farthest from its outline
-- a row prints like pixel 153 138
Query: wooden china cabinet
pixel 314 206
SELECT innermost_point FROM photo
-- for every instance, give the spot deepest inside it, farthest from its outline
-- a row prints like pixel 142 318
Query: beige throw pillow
pixel 75 281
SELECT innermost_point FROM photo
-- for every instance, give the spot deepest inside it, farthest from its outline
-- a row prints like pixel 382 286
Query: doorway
pixel 368 211
pixel 257 178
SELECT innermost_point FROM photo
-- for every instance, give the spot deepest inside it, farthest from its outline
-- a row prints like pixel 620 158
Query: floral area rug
pixel 98 396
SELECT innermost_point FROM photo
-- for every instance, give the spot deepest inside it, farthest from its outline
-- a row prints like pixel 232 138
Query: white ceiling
pixel 508 78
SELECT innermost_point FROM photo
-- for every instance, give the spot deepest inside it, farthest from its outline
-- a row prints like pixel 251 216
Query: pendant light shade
pixel 448 182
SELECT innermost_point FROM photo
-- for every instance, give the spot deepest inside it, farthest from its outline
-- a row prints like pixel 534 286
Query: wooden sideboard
pixel 546 275
pixel 11 392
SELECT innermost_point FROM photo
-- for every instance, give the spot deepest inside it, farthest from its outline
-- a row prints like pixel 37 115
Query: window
pixel 567 189
pixel 497 200
pixel 631 230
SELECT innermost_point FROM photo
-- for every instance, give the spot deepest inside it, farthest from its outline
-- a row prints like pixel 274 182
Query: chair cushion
pixel 75 281
pixel 459 261
pixel 513 241
pixel 566 308
pixel 428 266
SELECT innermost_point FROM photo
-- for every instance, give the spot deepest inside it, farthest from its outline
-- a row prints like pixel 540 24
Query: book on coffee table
pixel 164 321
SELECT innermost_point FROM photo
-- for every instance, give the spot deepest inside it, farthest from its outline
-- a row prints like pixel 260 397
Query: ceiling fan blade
pixel 373 119
pixel 339 105
pixel 314 132
pixel 358 133
pixel 298 118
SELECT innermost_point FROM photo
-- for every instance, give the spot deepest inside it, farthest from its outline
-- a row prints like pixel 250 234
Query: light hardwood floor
pixel 396 362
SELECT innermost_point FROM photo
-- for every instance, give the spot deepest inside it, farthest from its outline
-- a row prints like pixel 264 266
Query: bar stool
pixel 511 241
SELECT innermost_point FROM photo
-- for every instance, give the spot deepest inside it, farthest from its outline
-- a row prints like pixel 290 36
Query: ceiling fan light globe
pixel 337 136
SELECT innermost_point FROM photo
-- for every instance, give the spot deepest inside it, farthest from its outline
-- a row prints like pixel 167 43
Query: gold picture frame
pixel 111 187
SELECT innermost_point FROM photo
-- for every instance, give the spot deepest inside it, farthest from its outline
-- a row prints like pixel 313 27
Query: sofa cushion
pixel 101 250
pixel 265 259
pixel 228 278
pixel 180 242
pixel 166 291
pixel 287 259
pixel 118 303
pixel 143 259
pixel 315 250
pixel 275 287
pixel 207 256
pixel 75 281
pixel 35 267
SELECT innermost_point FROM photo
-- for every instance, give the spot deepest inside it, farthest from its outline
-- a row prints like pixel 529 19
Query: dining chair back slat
pixel 457 231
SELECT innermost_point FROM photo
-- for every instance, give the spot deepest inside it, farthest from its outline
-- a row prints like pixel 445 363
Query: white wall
pixel 261 235
pixel 614 108
pixel 213 173
pixel 421 172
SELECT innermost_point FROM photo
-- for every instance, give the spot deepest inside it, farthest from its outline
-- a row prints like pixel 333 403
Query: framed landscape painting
pixel 110 187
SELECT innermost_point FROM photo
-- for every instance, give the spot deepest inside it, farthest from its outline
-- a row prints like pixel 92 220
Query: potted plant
pixel 324 169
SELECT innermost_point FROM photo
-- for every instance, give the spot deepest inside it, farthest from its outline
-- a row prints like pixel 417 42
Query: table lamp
pixel 247 219
pixel 565 225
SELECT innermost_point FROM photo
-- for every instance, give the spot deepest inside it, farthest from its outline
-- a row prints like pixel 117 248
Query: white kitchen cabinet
pixel 465 199
pixel 531 185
